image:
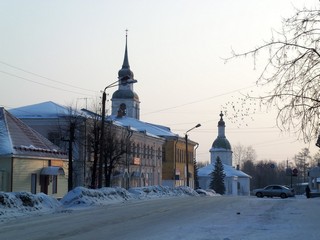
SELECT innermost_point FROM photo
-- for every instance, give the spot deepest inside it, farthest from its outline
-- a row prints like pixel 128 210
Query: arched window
pixel 138 150
pixel 133 149
pixel 148 152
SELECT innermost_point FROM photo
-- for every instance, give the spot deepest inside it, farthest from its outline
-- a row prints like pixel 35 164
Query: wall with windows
pixel 174 163
pixel 144 162
pixel 26 176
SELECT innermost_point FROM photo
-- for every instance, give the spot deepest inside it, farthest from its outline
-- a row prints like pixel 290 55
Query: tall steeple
pixel 125 101
pixel 125 71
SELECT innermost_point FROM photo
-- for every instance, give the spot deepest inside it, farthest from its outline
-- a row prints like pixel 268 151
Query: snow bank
pixel 161 191
pixel 81 196
pixel 15 204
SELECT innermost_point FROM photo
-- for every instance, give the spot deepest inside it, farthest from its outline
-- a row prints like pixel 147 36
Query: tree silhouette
pixel 291 75
pixel 217 177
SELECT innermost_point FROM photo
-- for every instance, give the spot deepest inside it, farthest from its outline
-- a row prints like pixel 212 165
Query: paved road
pixel 227 218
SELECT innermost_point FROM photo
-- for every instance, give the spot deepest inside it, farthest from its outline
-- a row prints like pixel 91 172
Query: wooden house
pixel 28 161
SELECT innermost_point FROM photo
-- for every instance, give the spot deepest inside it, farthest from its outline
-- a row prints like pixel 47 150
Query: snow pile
pixel 161 191
pixel 16 204
pixel 81 196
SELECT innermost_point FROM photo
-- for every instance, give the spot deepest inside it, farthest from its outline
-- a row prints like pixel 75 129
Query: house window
pixel 33 183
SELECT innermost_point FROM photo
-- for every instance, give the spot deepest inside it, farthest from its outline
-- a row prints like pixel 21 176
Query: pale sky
pixel 68 51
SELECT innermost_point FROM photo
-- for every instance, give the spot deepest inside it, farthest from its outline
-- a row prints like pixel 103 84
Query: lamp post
pixel 187 156
pixel 123 81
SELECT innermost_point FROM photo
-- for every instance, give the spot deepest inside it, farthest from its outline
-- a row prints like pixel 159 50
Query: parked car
pixel 274 191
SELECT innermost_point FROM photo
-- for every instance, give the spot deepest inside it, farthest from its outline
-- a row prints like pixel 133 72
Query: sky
pixel 68 51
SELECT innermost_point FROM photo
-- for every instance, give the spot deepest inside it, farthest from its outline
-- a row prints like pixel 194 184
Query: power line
pixel 201 100
pixel 49 79
pixel 43 84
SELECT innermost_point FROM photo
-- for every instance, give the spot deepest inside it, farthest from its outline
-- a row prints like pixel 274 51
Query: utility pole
pixel 70 169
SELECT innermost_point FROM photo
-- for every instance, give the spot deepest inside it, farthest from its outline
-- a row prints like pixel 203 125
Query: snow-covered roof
pixel 228 170
pixel 20 140
pixel 52 110
pixel 140 126
pixel 41 110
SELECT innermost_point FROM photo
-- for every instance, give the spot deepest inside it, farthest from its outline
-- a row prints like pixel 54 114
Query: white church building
pixel 236 182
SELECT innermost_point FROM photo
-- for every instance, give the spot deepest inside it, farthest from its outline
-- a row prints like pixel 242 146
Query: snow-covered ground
pixel 213 217
pixel 18 204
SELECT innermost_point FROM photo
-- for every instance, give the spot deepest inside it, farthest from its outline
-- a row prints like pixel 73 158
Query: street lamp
pixel 187 156
pixel 123 81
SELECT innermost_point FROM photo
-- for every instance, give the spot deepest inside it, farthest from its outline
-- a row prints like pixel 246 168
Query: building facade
pixel 28 161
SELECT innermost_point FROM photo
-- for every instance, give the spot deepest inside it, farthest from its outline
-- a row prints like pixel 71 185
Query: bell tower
pixel 125 101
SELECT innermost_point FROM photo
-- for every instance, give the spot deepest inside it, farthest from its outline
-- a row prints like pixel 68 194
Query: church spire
pixel 125 71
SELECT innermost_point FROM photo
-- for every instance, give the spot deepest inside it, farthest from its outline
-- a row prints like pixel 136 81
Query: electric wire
pixel 42 84
pixel 41 76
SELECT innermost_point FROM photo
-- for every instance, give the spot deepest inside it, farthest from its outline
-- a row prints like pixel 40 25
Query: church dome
pixel 125 72
pixel 125 94
pixel 221 142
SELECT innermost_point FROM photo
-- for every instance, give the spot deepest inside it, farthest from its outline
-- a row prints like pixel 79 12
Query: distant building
pixel 28 161
pixel 236 181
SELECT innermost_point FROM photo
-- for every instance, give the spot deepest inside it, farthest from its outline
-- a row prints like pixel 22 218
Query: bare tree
pixel 202 164
pixel 242 153
pixel 316 160
pixel 114 149
pixel 93 149
pixel 293 73
pixel 302 160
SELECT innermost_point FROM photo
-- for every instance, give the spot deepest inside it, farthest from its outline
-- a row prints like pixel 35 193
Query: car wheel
pixel 259 195
pixel 283 195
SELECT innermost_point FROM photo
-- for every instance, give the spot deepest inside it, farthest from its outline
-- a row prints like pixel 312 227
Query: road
pixel 225 217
